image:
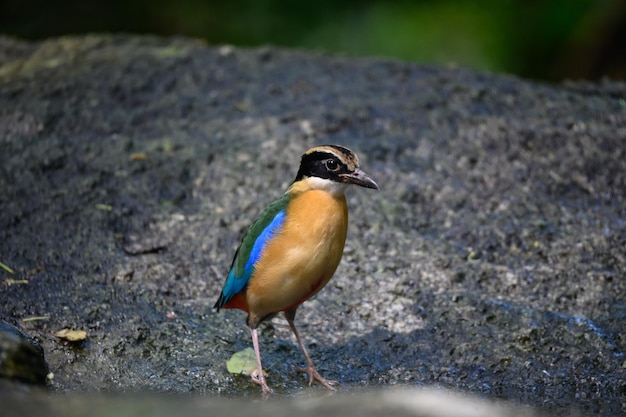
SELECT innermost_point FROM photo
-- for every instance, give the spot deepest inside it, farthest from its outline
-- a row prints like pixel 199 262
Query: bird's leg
pixel 310 367
pixel 260 378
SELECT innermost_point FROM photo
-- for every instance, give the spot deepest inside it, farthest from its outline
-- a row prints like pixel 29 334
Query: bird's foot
pixel 259 379
pixel 314 375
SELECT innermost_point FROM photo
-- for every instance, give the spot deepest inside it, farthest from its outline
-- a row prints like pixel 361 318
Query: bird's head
pixel 332 168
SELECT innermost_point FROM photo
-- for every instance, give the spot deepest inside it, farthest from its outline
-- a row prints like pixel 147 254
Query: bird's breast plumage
pixel 302 256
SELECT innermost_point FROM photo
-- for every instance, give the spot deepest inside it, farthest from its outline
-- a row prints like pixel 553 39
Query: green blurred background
pixel 547 40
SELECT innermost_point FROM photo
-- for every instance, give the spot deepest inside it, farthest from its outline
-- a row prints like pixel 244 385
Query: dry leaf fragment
pixel 138 156
pixel 10 281
pixel 71 335
pixel 35 318
pixel 104 207
pixel 7 268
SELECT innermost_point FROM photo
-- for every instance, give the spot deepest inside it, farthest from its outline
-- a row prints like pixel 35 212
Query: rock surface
pixel 492 262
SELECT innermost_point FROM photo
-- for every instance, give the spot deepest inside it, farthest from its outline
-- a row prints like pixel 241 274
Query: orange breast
pixel 300 260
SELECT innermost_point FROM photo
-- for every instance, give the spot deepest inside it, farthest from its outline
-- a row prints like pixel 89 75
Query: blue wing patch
pixel 263 238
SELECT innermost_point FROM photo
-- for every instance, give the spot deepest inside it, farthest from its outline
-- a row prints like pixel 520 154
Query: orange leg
pixel 260 378
pixel 310 367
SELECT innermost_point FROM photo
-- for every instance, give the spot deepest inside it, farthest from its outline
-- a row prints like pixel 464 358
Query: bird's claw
pixel 259 379
pixel 314 375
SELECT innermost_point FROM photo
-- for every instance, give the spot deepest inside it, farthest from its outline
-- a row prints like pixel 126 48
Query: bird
pixel 291 251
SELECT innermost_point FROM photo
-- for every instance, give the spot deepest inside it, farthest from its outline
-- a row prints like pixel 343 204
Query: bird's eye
pixel 331 165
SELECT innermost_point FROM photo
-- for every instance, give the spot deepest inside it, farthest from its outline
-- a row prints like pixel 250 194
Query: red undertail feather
pixel 237 301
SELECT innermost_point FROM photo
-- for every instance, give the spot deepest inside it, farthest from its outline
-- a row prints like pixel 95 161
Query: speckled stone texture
pixel 492 262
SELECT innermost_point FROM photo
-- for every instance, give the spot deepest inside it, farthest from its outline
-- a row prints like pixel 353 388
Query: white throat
pixel 332 187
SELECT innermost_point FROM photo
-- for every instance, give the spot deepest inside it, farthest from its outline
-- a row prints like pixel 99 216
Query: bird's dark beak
pixel 359 177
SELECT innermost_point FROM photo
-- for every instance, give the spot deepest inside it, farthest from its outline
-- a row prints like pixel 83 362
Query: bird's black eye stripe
pixel 322 165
